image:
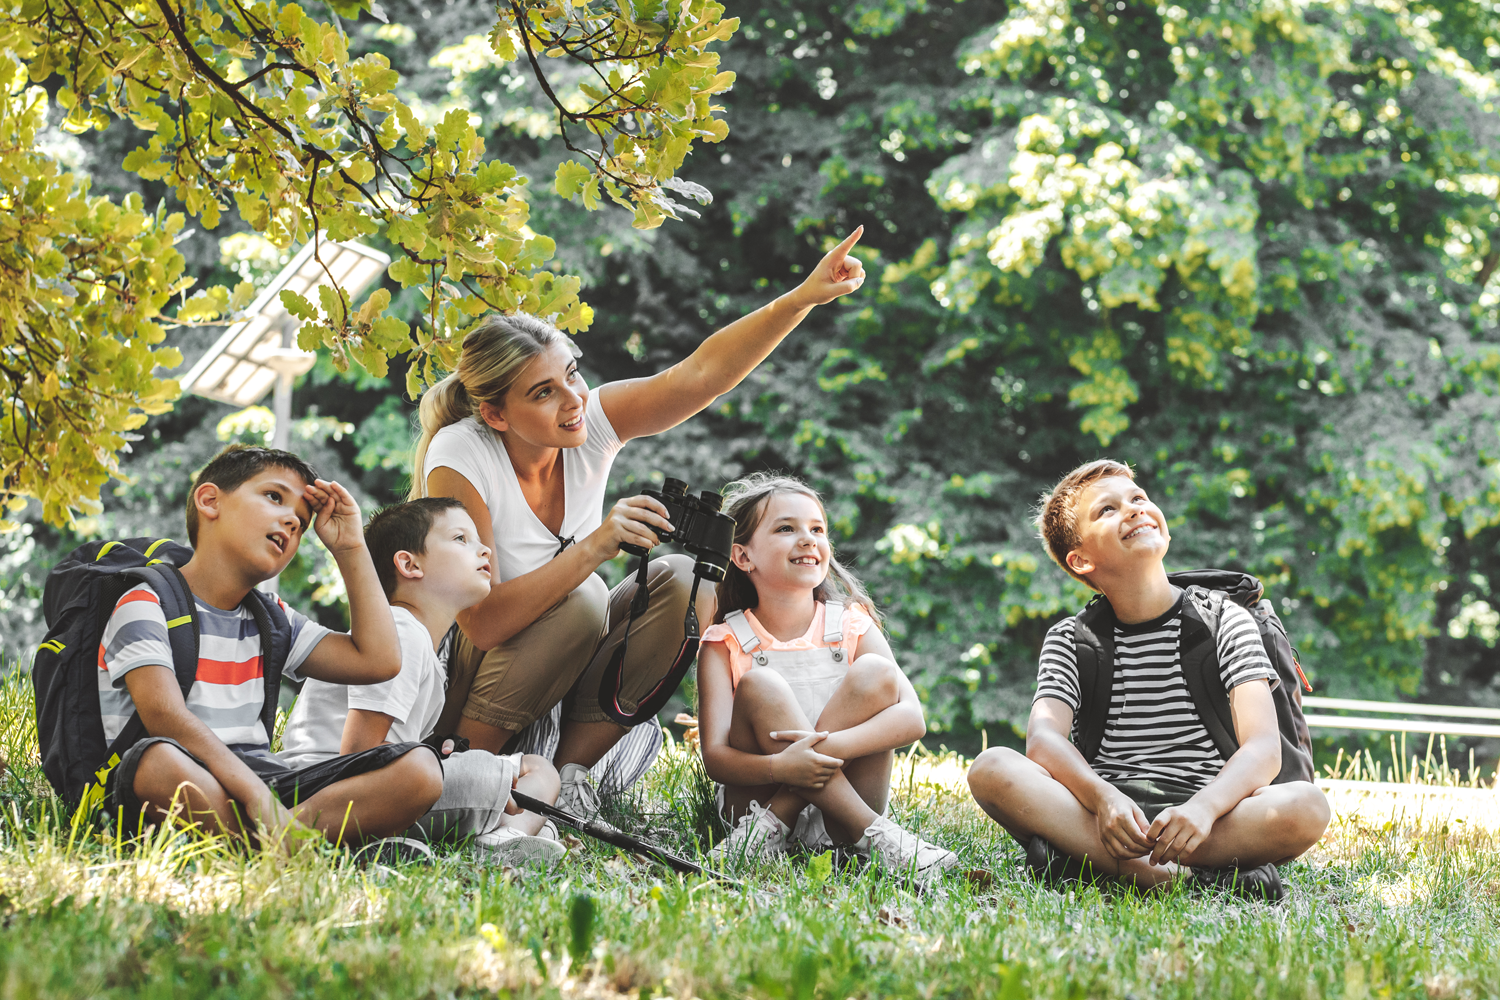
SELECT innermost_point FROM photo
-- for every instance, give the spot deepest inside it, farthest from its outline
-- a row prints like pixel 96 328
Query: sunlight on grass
pixel 1401 904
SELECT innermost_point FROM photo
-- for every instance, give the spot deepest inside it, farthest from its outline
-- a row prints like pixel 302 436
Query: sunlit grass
pixel 1396 908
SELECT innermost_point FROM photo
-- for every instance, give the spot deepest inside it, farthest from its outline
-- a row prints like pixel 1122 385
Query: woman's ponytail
pixel 445 403
pixel 494 354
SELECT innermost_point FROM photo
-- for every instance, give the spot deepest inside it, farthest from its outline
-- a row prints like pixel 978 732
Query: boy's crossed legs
pixel 377 803
pixel 1274 824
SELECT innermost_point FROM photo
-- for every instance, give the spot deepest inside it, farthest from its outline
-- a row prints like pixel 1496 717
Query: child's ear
pixel 1080 563
pixel 494 416
pixel 206 499
pixel 406 566
pixel 740 558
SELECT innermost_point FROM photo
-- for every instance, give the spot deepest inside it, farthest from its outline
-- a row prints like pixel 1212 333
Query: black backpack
pixel 1095 640
pixel 80 595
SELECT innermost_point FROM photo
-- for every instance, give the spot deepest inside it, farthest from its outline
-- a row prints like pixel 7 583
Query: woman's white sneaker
pixel 758 834
pixel 902 852
pixel 578 796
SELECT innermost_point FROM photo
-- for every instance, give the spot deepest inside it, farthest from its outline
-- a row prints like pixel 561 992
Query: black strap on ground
pixel 652 701
pixel 615 838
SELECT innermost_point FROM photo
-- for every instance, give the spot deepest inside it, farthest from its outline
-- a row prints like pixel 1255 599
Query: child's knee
pixel 539 769
pixel 1309 812
pixel 876 677
pixel 162 772
pixel 422 776
pixel 761 686
pixel 994 771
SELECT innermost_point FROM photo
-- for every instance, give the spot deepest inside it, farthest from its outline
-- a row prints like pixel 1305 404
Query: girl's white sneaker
pixel 811 832
pixel 758 834
pixel 902 852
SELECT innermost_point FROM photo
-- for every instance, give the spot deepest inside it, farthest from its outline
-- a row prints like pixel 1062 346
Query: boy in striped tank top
pixel 206 759
pixel 1158 802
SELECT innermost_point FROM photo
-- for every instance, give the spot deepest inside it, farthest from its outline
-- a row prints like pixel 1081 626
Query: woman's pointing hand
pixel 836 274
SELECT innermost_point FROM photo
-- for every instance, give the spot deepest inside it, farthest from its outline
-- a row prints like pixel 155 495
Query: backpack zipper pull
pixel 1298 664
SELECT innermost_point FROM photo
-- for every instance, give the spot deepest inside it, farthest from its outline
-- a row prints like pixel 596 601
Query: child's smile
pixel 1116 519
pixel 790 545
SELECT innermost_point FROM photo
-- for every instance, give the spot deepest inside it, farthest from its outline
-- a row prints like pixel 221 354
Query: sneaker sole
pixel 522 851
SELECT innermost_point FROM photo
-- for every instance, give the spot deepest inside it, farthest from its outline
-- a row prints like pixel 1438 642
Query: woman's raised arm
pixel 645 406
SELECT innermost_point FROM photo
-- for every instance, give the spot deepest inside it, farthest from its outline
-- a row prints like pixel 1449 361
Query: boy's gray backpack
pixel 1207 590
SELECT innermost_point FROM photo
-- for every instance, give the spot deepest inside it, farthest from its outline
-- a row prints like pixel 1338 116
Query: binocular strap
pixel 652 701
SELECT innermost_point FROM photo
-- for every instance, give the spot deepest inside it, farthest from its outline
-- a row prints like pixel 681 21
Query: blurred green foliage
pixel 1247 248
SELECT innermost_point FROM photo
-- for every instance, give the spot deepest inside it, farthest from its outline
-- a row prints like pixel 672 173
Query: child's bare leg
pixel 380 803
pixel 1023 797
pixel 1273 824
pixel 764 703
pixel 870 687
pixel 167 777
pixel 539 780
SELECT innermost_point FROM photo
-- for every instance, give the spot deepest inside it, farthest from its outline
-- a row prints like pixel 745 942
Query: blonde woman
pixel 517 436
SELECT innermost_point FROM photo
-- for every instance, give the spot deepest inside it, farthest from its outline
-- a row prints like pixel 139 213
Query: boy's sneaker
pixel 512 847
pixel 578 795
pixel 1261 884
pixel 902 852
pixel 1053 868
pixel 394 851
pixel 758 834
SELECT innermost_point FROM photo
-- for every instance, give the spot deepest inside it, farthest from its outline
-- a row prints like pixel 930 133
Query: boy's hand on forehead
pixel 337 521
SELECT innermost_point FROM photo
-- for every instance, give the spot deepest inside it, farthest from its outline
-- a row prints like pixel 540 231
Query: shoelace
pixel 586 795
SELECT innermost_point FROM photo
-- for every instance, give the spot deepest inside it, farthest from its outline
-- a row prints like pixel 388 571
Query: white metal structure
pixel 1429 718
pixel 260 353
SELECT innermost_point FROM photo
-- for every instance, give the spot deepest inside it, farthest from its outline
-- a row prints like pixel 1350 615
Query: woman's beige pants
pixel 563 653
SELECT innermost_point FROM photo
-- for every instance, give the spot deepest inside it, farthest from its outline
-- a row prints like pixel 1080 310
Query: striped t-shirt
pixel 230 689
pixel 1153 730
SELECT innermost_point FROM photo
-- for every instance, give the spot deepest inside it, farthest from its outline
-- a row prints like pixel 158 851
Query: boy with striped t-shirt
pixel 1159 801
pixel 207 757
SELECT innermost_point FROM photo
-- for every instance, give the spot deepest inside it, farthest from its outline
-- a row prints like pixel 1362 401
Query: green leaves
pixel 259 109
pixel 82 288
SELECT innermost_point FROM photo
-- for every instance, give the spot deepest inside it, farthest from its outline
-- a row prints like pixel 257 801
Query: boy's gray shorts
pixel 476 787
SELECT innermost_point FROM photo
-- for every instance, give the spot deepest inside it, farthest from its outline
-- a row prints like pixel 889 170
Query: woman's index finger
pixel 842 250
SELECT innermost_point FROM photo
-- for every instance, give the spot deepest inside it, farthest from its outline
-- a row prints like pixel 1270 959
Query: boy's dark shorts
pixel 291 785
pixel 1155 796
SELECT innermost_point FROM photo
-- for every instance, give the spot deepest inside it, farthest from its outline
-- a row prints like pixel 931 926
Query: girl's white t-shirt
pixel 522 543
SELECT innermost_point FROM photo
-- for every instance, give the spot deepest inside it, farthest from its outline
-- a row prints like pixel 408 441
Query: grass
pixel 1378 910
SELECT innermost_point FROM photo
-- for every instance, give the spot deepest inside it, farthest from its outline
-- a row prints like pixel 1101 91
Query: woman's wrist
pixel 795 300
pixel 597 546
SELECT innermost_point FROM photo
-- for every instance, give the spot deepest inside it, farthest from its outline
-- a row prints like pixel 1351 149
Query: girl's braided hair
pixel 745 500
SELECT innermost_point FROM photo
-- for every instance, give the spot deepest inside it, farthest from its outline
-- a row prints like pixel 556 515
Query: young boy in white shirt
pixel 431 565
pixel 1158 800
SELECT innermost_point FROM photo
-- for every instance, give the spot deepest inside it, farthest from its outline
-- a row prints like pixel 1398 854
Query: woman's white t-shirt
pixel 522 543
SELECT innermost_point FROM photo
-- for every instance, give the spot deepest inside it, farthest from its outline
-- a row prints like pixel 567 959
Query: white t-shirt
pixel 522 543
pixel 413 699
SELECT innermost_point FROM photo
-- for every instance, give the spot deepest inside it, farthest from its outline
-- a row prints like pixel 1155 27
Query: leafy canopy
pixel 259 109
